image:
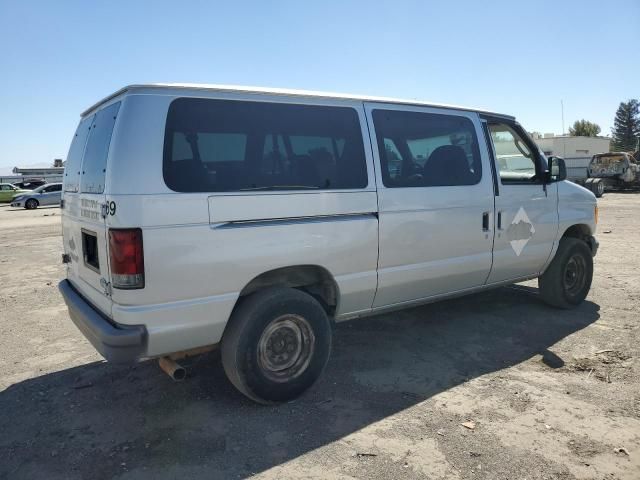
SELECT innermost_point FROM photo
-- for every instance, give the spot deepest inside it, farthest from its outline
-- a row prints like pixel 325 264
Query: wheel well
pixel 579 231
pixel 314 280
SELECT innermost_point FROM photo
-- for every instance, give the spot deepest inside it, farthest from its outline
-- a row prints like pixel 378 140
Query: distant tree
pixel 626 126
pixel 584 128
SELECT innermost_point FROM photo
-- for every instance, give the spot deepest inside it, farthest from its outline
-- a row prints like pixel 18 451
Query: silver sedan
pixel 49 194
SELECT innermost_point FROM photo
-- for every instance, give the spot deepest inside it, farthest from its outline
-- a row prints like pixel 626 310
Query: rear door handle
pixel 485 222
pixel 499 220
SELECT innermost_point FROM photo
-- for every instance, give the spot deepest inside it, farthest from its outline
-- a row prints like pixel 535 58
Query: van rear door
pixel 85 208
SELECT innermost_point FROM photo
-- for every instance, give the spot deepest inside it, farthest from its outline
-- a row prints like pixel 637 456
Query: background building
pixel 48 174
pixel 576 151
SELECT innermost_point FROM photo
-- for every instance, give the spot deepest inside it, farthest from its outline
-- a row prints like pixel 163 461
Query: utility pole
pixel 562 110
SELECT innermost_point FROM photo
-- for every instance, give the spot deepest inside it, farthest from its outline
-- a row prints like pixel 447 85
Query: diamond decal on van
pixel 520 231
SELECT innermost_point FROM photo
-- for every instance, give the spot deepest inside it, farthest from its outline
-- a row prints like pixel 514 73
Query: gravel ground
pixel 544 394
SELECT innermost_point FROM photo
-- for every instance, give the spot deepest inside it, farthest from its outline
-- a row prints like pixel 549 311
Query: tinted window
pixel 94 164
pixel 424 149
pixel 74 158
pixel 226 145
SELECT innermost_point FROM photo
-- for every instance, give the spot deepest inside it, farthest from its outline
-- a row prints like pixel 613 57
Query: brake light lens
pixel 126 257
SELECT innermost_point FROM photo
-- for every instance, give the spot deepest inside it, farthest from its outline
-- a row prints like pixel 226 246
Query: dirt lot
pixel 550 394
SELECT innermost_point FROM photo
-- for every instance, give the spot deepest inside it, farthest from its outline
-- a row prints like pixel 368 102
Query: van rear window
pixel 94 164
pixel 228 145
pixel 74 158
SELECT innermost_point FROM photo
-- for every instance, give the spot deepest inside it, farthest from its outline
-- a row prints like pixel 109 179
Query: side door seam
pixel 496 188
pixel 375 182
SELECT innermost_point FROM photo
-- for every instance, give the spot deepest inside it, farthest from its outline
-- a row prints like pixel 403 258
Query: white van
pixel 196 216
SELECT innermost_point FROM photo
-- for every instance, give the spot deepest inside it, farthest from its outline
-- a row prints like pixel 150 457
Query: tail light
pixel 126 257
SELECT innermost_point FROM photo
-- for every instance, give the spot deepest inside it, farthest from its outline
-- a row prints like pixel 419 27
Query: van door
pixel 526 207
pixel 85 210
pixel 435 200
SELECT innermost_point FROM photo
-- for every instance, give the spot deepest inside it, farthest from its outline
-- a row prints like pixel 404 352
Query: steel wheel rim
pixel 285 348
pixel 574 275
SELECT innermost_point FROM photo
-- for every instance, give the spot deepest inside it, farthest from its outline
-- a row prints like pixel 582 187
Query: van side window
pixel 229 145
pixel 222 147
pixel 514 159
pixel 426 150
pixel 74 158
pixel 94 164
pixel 393 157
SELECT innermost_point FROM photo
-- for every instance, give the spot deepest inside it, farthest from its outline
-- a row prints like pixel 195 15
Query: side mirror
pixel 557 169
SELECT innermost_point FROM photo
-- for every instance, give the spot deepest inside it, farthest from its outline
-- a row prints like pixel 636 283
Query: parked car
pixel 612 171
pixel 49 194
pixel 252 220
pixel 8 191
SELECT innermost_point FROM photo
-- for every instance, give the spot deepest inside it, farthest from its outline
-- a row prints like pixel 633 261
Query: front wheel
pixel 598 189
pixel 567 281
pixel 276 345
pixel 31 204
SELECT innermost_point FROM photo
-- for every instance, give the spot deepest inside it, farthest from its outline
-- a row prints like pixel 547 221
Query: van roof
pixel 279 91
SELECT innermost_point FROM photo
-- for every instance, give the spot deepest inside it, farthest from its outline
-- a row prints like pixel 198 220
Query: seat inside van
pixel 447 165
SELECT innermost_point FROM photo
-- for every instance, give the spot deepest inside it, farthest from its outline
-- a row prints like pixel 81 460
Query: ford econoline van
pixel 197 216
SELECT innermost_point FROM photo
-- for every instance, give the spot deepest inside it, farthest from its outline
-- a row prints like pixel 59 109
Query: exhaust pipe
pixel 173 369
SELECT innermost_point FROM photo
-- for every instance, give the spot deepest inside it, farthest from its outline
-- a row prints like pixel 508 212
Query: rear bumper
pixel 116 343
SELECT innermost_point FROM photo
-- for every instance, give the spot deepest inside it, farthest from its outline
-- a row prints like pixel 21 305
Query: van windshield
pixel 224 145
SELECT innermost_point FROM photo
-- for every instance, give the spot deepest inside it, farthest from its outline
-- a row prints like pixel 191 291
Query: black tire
pixel 276 345
pixel 598 189
pixel 31 204
pixel 566 283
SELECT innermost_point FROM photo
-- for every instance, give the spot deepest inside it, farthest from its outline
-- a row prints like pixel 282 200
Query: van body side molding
pixel 292 220
pixel 290 205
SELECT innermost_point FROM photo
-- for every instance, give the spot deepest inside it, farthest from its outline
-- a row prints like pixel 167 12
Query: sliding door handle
pixel 485 221
pixel 499 220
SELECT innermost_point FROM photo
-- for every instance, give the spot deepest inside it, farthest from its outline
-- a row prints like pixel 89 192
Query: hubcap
pixel 574 275
pixel 285 348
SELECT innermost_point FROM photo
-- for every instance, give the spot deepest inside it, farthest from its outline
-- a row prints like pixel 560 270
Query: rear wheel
pixel 567 281
pixel 31 204
pixel 276 345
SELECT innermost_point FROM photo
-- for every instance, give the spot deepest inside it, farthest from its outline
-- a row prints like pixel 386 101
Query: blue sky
pixel 59 57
